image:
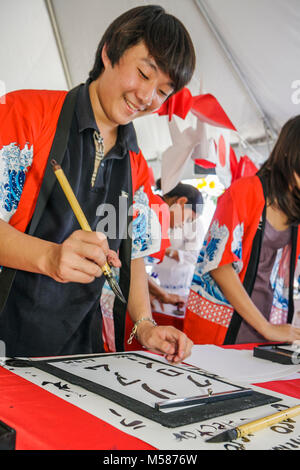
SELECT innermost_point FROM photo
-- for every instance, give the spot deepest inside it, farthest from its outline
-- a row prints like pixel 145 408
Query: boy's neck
pixel 107 129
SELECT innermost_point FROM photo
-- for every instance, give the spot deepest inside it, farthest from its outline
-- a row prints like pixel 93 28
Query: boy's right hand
pixel 79 258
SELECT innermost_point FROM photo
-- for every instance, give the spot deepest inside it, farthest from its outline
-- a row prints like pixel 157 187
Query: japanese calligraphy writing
pixel 144 379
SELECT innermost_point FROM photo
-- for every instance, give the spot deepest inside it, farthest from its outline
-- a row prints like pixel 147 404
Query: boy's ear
pixel 181 201
pixel 104 56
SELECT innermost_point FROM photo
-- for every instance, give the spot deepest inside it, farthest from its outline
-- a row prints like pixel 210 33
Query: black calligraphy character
pixel 59 385
pixel 122 380
pixel 106 367
pixel 284 427
pixel 114 412
pixel 184 435
pixel 234 446
pixel 124 356
pixel 206 430
pixel 157 394
pixel 205 384
pixel 64 387
pixel 136 424
pixel 221 426
pixel 148 364
pixel 197 370
pixel 79 361
pixel 169 372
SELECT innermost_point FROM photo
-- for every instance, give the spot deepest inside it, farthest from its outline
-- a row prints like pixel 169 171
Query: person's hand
pixel 80 257
pixel 165 297
pixel 283 333
pixel 167 340
pixel 172 254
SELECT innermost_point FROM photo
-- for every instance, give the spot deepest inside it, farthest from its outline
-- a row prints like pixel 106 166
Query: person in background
pixel 242 289
pixel 170 279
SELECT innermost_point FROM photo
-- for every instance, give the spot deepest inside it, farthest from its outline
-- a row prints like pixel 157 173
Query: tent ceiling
pixel 251 72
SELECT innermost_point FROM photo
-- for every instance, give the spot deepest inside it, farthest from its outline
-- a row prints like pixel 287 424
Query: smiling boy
pixel 53 306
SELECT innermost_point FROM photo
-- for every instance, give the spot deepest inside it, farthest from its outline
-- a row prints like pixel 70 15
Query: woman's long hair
pixel 279 171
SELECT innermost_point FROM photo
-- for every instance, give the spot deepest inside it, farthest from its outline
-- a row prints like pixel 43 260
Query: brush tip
pixel 225 436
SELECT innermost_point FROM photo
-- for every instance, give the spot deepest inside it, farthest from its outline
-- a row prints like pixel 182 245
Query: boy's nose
pixel 146 94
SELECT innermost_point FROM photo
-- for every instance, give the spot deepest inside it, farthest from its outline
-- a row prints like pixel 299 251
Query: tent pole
pixel 51 13
pixel 269 129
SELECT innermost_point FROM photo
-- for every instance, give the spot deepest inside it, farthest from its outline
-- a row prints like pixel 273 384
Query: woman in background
pixel 242 289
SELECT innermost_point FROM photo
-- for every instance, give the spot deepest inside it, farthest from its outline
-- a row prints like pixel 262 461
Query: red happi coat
pixel 231 237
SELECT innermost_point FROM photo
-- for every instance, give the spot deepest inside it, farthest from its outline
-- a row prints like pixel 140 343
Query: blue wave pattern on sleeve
pixel 14 164
pixel 206 285
pixel 141 225
pixel 209 288
pixel 14 188
pixel 237 247
pixel 212 248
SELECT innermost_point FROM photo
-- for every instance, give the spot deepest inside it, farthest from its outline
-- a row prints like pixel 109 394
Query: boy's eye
pixel 164 94
pixel 143 75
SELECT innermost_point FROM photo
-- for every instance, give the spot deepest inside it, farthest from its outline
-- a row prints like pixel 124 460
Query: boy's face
pixel 133 87
pixel 181 213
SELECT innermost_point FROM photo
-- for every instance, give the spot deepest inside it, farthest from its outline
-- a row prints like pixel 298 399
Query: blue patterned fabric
pixel 14 164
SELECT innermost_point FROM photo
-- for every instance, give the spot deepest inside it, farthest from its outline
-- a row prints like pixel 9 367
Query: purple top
pixel 262 294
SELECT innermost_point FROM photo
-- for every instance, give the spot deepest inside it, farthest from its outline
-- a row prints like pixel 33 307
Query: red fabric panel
pixel 162 319
pixel 202 331
pixel 239 346
pixel 286 387
pixel 45 422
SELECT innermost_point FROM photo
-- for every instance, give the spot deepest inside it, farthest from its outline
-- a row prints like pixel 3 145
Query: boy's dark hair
pixel 279 171
pixel 193 195
pixel 164 35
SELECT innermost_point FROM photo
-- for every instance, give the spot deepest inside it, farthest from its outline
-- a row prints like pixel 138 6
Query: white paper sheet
pixel 238 365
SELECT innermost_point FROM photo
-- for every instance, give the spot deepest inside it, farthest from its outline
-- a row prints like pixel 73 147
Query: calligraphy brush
pixel 257 425
pixel 65 185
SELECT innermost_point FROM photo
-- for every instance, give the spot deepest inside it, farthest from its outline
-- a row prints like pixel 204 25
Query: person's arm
pixel 182 256
pixel 232 288
pixel 77 259
pixel 167 340
pixel 162 296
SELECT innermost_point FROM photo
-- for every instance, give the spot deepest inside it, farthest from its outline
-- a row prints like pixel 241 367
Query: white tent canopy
pixel 247 57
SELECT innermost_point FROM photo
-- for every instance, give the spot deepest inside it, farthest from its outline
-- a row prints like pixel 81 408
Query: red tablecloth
pixel 44 421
